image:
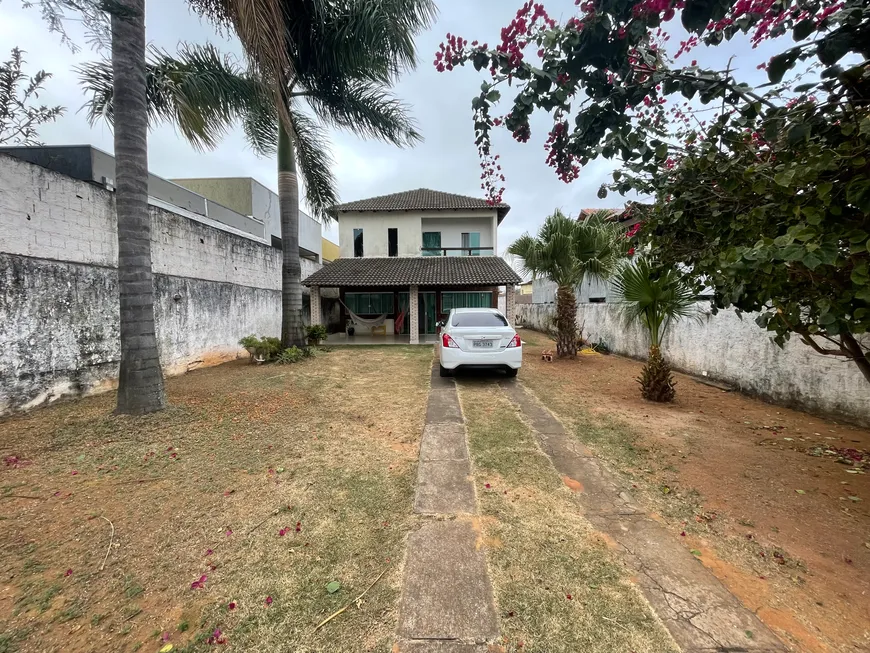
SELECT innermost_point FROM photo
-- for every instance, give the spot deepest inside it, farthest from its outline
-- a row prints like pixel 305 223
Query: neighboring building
pixel 524 292
pixel 413 256
pixel 329 250
pixel 249 197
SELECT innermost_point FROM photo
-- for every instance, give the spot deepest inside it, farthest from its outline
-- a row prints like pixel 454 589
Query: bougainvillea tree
pixel 761 193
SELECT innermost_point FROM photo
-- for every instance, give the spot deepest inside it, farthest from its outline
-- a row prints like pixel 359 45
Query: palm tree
pixel 140 380
pixel 654 298
pixel 566 251
pixel 341 63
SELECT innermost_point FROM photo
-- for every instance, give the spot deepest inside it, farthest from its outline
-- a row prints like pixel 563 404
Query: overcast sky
pixel 446 160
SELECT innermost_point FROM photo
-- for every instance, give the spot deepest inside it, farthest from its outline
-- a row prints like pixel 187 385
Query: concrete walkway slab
pixel 444 441
pixel 444 487
pixel 699 612
pixel 443 406
pixel 439 646
pixel 447 593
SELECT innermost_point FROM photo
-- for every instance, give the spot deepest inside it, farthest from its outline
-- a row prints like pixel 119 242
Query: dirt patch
pixel 232 509
pixel 782 496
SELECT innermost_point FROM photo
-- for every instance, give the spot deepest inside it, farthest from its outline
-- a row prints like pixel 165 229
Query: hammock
pixel 363 321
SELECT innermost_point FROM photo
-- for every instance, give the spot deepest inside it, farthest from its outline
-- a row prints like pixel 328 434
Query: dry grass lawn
pixel 558 588
pixel 323 451
pixel 776 501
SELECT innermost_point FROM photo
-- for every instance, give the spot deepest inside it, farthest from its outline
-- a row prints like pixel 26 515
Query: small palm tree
pixel 339 61
pixel 566 251
pixel 654 298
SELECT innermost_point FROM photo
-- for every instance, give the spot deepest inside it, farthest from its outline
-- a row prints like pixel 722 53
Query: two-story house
pixel 412 257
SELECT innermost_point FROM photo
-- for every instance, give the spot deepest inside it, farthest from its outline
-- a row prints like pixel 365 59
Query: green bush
pixel 316 333
pixel 265 347
pixel 291 355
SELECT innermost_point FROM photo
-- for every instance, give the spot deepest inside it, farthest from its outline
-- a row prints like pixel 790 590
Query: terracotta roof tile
pixel 422 199
pixel 417 271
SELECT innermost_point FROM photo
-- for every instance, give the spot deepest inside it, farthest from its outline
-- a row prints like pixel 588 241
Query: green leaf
pixel 803 29
pixel 800 132
pixel 697 553
pixel 493 96
pixel 333 586
pixel 824 189
pixel 602 192
pixel 811 260
pixel 780 65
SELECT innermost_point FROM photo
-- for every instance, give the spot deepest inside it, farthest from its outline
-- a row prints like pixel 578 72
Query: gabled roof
pixel 423 199
pixel 415 271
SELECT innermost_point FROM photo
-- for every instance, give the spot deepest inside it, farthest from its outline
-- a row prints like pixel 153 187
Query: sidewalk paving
pixel 447 604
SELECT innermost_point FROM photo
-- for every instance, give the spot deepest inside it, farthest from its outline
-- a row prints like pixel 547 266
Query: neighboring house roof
pixel 624 215
pixel 422 199
pixel 415 271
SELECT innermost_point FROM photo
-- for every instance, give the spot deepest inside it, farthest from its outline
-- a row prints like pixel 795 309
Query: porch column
pixel 316 314
pixel 510 303
pixel 413 317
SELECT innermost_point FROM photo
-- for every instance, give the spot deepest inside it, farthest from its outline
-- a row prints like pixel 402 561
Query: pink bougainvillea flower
pixel 231 605
pixel 268 600
pixel 74 472
pixel 298 526
pixel 165 636
pixel 228 492
pixel 282 532
pixel 216 637
pixel 208 552
pixel 68 572
pixel 199 584
pixel 169 448
pixel 212 566
pixel 229 532
pixel 683 534
pixel 174 455
pixel 487 486
pixel 568 596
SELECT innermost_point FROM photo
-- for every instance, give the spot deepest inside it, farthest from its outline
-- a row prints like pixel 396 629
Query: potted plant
pixel 349 327
pixel 316 334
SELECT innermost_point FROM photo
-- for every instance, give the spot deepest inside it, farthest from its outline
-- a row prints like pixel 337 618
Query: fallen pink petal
pixel 199 584
pixel 68 572
pixel 268 600
pixel 231 605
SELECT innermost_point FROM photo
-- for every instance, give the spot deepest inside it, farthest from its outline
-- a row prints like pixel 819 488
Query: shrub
pixel 316 333
pixel 266 348
pixel 290 355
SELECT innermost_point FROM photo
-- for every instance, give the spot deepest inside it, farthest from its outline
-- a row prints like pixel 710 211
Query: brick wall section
pixel 510 304
pixel 316 316
pixel 413 316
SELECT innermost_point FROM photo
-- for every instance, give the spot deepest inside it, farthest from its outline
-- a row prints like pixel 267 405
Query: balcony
pixel 457 251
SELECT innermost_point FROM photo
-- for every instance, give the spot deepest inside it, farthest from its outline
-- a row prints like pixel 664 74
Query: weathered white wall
pixel 733 350
pixel 59 294
pixel 411 225
pixel 452 228
pixel 374 226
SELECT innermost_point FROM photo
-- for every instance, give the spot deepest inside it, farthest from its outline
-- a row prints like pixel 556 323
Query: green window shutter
pixel 474 242
pixel 431 242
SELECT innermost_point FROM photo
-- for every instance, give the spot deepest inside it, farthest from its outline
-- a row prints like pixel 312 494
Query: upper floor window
pixel 358 242
pixel 471 244
pixel 393 242
pixel 431 243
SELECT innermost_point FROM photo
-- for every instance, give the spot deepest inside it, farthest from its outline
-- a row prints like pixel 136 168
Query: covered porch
pixel 401 300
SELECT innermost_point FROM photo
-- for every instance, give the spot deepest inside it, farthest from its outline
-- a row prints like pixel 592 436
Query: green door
pixel 426 312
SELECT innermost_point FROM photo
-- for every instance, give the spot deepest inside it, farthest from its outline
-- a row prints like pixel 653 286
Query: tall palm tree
pixel 140 381
pixel 341 60
pixel 566 251
pixel 654 298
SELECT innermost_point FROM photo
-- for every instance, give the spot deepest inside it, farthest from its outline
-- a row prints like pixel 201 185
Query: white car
pixel 479 338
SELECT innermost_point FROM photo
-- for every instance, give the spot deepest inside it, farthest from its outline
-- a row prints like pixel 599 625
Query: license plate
pixel 482 344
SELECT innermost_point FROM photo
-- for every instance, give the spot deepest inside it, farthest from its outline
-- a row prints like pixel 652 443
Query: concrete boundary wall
pixel 59 315
pixel 736 351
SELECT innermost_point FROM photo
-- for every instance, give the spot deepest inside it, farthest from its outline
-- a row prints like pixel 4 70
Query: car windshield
pixel 482 319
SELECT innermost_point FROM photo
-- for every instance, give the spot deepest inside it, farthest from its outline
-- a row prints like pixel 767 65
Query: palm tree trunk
pixel 292 328
pixel 140 382
pixel 566 322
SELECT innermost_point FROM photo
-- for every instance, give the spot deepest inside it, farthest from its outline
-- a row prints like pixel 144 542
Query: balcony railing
pixel 457 251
